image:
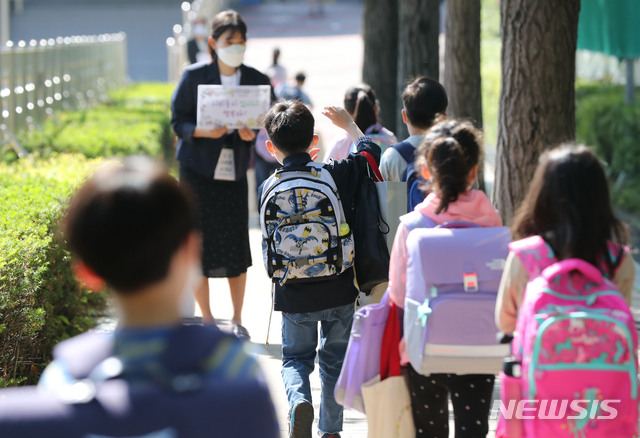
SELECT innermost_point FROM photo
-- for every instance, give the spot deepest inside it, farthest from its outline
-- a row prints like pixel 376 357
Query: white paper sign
pixel 235 107
pixel 225 168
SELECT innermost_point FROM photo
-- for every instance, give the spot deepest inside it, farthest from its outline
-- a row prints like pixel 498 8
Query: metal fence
pixel 39 77
pixel 177 58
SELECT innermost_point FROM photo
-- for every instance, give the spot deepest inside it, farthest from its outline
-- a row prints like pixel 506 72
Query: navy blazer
pixel 201 154
pixel 192 50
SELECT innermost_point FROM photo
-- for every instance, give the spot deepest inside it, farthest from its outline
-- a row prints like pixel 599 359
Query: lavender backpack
pixel 362 359
pixel 577 342
pixel 453 275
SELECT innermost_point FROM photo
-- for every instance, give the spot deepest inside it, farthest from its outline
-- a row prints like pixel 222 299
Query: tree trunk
pixel 537 106
pixel 418 30
pixel 380 35
pixel 462 64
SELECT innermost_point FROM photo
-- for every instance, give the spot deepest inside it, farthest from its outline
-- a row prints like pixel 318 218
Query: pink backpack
pixel 576 341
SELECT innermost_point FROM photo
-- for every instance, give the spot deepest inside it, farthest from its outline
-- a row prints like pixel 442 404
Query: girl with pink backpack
pixel 574 371
pixel 448 156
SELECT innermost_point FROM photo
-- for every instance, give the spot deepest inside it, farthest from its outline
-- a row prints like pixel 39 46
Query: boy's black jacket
pixel 326 294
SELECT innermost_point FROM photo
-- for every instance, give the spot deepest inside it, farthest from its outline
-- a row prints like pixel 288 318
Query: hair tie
pixel 362 95
pixel 449 139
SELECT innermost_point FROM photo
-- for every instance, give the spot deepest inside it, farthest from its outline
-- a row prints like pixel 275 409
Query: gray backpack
pixel 304 231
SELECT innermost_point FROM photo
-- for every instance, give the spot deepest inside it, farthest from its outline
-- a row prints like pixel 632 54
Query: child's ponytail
pixel 360 102
pixel 365 111
pixel 449 170
pixel 450 150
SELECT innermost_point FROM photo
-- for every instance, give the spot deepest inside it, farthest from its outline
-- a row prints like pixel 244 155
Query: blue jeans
pixel 299 343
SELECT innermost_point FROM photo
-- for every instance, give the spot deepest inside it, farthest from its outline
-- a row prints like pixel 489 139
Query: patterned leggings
pixel 470 397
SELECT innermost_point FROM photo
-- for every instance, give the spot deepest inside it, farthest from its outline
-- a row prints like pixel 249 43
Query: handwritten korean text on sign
pixel 234 107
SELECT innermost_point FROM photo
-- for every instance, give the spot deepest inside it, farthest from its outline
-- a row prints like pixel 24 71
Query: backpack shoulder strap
pixel 268 184
pixel 406 150
pixel 325 175
pixel 534 254
pixel 415 219
pixel 408 153
pixel 373 166
pixel 316 164
pixel 187 351
pixel 415 193
pixel 82 353
pixel 617 253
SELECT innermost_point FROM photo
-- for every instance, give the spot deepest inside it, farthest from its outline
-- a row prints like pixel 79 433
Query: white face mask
pixel 232 55
pixel 199 30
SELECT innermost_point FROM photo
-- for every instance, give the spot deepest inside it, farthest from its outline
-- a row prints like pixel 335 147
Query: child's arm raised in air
pixel 342 119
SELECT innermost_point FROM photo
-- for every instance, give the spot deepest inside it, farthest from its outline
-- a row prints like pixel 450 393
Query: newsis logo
pixel 556 409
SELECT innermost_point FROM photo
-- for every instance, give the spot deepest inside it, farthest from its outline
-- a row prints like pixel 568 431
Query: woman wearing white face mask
pixel 197 46
pixel 223 203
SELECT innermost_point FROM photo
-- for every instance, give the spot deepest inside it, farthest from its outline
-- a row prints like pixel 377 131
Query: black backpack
pixel 371 265
pixel 181 403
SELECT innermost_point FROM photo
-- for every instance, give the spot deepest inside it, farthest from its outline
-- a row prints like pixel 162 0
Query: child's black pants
pixel 470 397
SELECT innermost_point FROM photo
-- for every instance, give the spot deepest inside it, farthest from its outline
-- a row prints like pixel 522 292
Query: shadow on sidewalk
pixel 274 351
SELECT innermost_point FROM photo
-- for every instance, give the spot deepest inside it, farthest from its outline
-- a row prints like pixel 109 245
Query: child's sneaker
pixel 301 420
pixel 331 435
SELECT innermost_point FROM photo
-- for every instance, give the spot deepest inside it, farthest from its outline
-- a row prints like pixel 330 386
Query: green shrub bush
pixel 604 122
pixel 144 93
pixel 135 121
pixel 101 131
pixel 40 302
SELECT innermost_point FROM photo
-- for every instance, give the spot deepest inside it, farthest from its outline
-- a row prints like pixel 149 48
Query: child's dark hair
pixel 289 125
pixel 450 150
pixel 568 204
pixel 224 21
pixel 360 102
pixel 424 99
pixel 127 221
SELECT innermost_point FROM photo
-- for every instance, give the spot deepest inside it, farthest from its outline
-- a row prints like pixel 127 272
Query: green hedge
pixel 144 93
pixel 40 302
pixel 99 132
pixel 136 120
pixel 612 128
